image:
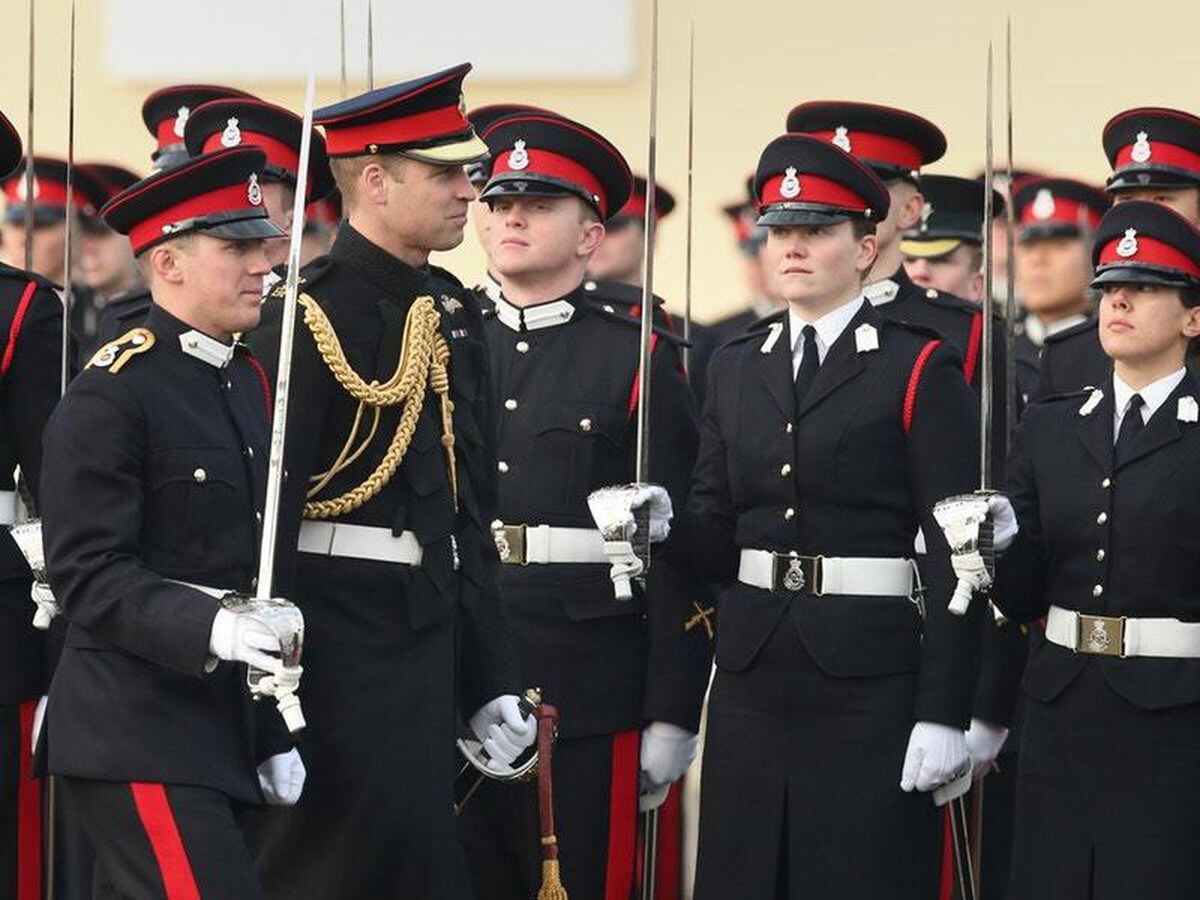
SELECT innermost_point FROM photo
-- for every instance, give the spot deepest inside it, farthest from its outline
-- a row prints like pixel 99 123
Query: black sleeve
pixel 943 459
pixel 1003 652
pixel 33 381
pixel 92 511
pixel 1020 586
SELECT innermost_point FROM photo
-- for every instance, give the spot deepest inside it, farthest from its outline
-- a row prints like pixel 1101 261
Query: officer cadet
pixel 620 255
pixel 761 302
pixel 828 434
pixel 945 249
pixel 234 122
pixel 31 321
pixel 627 676
pixel 106 262
pixel 1108 795
pixel 1057 218
pixel 165 113
pixel 385 516
pixel 154 466
pixel 895 144
pixel 1155 156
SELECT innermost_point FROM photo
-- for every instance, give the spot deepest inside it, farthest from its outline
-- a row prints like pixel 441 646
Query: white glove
pixel 666 752
pixel 504 732
pixel 47 606
pixel 1004 522
pixel 660 510
pixel 970 569
pixel 236 637
pixel 936 754
pixel 282 778
pixel 984 742
pixel 39 715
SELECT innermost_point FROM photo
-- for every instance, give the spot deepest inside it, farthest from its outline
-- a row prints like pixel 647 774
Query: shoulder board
pixel 758 329
pixel 1087 327
pixel 115 354
pixel 923 331
pixel 617 292
pixel 951 301
pixel 7 271
pixel 1080 394
pixel 625 319
pixel 445 275
pixel 309 275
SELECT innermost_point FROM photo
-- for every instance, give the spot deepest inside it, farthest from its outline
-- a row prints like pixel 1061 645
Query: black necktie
pixel 810 361
pixel 1131 427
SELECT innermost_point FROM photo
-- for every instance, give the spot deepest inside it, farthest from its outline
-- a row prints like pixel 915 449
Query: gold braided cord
pixel 424 358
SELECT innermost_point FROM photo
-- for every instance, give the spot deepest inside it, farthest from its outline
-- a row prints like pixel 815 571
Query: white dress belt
pixel 1123 636
pixel 372 542
pixel 8 507
pixel 546 544
pixel 819 575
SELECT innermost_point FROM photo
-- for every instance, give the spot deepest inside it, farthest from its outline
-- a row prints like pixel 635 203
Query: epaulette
pixel 923 331
pixel 115 354
pixel 279 291
pixel 617 292
pixel 624 318
pixel 1065 395
pixel 7 271
pixel 1085 327
pixel 758 329
pixel 309 275
pixel 446 274
pixel 950 301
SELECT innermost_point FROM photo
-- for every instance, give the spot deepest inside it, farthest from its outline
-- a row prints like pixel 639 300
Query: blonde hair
pixel 348 169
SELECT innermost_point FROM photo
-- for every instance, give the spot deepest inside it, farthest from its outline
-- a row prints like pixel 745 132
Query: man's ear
pixel 593 234
pixel 373 182
pixel 868 249
pixel 165 263
pixel 910 214
pixel 1191 325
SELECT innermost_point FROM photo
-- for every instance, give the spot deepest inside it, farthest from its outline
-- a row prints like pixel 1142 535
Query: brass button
pixel 250 452
pixel 200 475
pixel 609 308
pixel 502 466
pixel 1097 590
pixel 1106 483
pixel 931 293
pixel 522 346
pixel 589 285
pixel 788 428
pixel 789 513
pixel 785 470
pixel 1102 518
pixel 1100 554
pixel 585 424
pixel 510 403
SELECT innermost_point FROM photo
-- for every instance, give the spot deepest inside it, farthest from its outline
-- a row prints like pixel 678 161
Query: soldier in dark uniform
pixel 1109 794
pixel 828 434
pixel 1155 156
pixel 945 250
pixel 743 220
pixel 106 263
pixel 154 469
pixel 29 390
pixel 385 515
pixel 627 676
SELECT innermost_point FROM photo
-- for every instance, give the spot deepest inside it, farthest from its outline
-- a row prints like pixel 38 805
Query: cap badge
pixel 232 135
pixel 1043 204
pixel 841 138
pixel 519 158
pixel 789 188
pixel 926 213
pixel 1128 245
pixel 253 191
pixel 1141 148
pixel 181 117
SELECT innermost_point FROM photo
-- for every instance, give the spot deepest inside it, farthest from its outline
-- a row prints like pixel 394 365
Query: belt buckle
pixel 510 543
pixel 1100 635
pixel 791 573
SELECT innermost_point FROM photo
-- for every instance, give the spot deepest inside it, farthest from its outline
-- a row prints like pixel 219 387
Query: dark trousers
pixel 20 807
pixel 161 842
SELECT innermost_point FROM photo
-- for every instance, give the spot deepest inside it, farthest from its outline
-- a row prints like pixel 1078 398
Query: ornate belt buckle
pixel 510 543
pixel 1100 636
pixel 787 573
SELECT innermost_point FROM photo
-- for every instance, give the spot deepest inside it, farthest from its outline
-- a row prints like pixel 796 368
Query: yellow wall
pixel 1075 65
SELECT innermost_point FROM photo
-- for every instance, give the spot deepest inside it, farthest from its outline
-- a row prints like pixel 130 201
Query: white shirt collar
pixel 1154 395
pixel 1037 331
pixel 543 315
pixel 829 327
pixel 491 286
pixel 206 349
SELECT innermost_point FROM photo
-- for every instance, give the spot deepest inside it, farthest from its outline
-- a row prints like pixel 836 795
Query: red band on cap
pixel 46 193
pixel 544 162
pixel 230 199
pixel 1161 154
pixel 165 133
pixel 635 207
pixel 813 189
pixel 878 148
pixel 1152 252
pixel 353 140
pixel 278 153
pixel 1066 212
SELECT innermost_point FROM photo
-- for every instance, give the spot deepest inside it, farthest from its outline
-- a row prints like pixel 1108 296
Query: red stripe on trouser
pixel 154 809
pixel 29 813
pixel 670 825
pixel 946 886
pixel 622 816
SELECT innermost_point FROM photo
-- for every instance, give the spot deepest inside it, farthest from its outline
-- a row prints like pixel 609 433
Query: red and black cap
pixel 167 110
pixel 112 177
pixel 743 218
pixel 1141 242
pixel 1057 207
pixel 547 155
pixel 10 146
pixel 88 194
pixel 484 117
pixel 893 142
pixel 217 193
pixel 804 180
pixel 634 208
pixel 1152 147
pixel 952 215
pixel 272 129
pixel 425 119
pixel 325 213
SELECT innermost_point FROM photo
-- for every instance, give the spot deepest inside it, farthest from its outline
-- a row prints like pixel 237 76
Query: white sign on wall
pixel 266 40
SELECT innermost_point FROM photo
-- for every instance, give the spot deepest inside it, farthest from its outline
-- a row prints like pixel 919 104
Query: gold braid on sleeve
pixel 424 359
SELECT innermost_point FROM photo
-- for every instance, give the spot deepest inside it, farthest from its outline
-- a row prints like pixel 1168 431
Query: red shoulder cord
pixel 974 343
pixel 263 380
pixel 914 382
pixel 14 330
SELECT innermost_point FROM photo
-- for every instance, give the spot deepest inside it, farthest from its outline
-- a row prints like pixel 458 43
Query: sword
pixel 691 146
pixel 370 45
pixel 986 375
pixel 29 151
pixel 342 45
pixel 289 705
pixel 68 294
pixel 1010 276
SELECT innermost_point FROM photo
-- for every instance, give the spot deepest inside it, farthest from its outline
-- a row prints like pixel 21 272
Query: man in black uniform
pixel 828 434
pixel 154 469
pixel 1155 155
pixel 622 673
pixel 759 296
pixel 945 250
pixel 29 388
pixel 1107 553
pixel 385 516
